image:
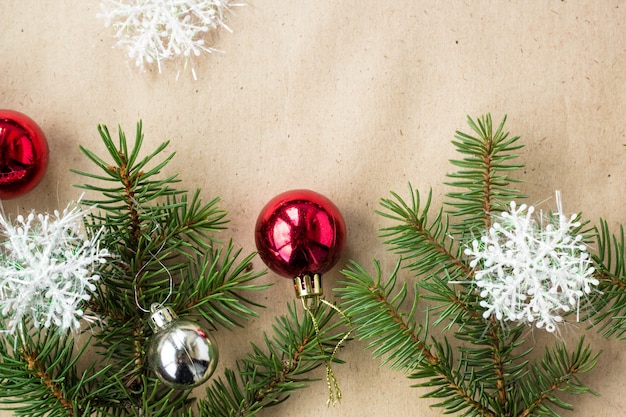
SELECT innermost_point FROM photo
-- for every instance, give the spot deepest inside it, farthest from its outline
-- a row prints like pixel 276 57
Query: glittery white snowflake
pixel 530 272
pixel 47 269
pixel 153 31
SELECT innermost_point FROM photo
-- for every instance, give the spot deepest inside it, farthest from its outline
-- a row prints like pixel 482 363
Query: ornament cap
pixel 308 285
pixel 161 316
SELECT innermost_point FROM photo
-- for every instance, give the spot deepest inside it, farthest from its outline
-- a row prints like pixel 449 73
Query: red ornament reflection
pixel 300 232
pixel 23 154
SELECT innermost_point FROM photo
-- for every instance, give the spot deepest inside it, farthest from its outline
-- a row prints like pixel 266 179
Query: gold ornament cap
pixel 308 285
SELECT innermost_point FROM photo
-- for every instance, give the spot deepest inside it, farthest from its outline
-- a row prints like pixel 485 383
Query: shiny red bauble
pixel 300 232
pixel 23 154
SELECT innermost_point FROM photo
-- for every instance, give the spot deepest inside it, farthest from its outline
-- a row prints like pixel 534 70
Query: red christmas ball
pixel 300 232
pixel 23 154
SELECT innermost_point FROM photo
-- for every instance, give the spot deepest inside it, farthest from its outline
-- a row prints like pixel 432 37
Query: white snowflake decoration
pixel 526 271
pixel 153 31
pixel 47 269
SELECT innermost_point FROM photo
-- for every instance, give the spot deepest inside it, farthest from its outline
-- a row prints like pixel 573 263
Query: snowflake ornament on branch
pixel 153 31
pixel 47 269
pixel 526 271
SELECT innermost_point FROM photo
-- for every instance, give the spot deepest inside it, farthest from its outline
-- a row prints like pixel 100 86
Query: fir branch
pixel 607 310
pixel 492 347
pixel 212 287
pixel 39 377
pixel 151 225
pixel 122 346
pixel 53 387
pixel 491 376
pixel 156 400
pixel 192 222
pixel 557 372
pixel 454 302
pixel 125 203
pixel 374 307
pixel 269 374
pixel 496 357
pixel 454 384
pixel 484 179
pixel 430 250
pixel 165 248
pixel 419 239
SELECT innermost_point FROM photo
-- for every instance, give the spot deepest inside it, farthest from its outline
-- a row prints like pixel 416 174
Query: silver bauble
pixel 182 354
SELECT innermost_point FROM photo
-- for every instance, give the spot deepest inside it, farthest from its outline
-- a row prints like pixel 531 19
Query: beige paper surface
pixel 352 99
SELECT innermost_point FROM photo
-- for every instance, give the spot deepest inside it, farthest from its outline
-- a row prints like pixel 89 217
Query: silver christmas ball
pixel 181 354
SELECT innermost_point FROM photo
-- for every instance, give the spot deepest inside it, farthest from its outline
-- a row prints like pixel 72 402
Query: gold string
pixel 334 392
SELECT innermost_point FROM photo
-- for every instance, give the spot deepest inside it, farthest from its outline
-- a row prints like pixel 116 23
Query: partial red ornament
pixel 300 234
pixel 23 154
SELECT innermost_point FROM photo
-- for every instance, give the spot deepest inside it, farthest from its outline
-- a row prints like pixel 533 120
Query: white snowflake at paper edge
pixel 528 272
pixel 153 31
pixel 46 269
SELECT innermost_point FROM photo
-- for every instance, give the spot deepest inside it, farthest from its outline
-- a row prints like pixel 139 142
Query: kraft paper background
pixel 353 99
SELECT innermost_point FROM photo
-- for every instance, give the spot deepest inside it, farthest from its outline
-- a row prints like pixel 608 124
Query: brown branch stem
pixel 605 276
pixel 487 182
pixel 432 359
pixel 53 388
pixel 501 385
pixel 556 386
pixel 289 366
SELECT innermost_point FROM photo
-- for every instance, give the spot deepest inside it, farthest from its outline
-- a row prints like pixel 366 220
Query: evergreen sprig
pixel 270 373
pixel 418 238
pixel 376 310
pixel 164 239
pixel 39 377
pixel 489 370
pixel 608 309
pixel 488 373
pixel 164 250
pixel 483 182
